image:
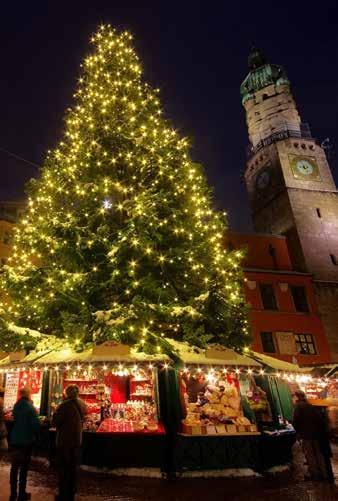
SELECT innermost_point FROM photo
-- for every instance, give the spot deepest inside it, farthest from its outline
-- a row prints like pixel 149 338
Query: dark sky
pixel 196 52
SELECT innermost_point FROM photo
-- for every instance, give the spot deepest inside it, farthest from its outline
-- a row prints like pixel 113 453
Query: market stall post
pixel 171 412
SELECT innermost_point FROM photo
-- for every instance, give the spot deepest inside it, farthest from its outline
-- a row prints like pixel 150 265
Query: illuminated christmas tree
pixel 120 241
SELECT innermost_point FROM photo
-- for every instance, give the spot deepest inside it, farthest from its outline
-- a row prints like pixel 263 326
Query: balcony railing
pixel 284 131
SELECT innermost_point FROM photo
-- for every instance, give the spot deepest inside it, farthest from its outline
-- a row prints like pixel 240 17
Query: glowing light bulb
pixel 107 204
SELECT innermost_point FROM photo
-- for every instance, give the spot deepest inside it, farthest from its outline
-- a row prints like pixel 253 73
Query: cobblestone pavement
pixel 103 487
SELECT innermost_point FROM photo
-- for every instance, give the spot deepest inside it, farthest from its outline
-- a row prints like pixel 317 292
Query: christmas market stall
pixel 321 389
pixel 270 398
pixel 120 388
pixel 217 431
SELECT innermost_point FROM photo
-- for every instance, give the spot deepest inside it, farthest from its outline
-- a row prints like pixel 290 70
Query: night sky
pixel 195 52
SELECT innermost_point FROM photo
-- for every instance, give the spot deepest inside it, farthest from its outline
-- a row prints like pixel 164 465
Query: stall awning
pixel 214 355
pixel 68 356
pixel 276 364
pixel 5 361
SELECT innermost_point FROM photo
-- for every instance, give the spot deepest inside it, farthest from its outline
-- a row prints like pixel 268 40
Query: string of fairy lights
pixel 209 373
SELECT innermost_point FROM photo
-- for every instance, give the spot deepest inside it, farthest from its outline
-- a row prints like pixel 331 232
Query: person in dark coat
pixel 68 420
pixel 24 432
pixel 3 428
pixel 312 431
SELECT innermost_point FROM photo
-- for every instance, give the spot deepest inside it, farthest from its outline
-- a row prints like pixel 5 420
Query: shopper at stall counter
pixel 313 432
pixel 24 432
pixel 68 420
pixel 3 428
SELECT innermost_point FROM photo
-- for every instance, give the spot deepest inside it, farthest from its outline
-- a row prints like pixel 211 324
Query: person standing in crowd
pixel 3 428
pixel 25 429
pixel 68 420
pixel 312 430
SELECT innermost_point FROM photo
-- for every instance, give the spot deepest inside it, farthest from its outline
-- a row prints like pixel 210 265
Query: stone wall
pixel 270 109
pixel 318 235
pixel 327 301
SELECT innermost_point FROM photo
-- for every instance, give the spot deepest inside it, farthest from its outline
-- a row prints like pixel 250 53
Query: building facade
pixel 290 185
pixel 10 212
pixel 284 317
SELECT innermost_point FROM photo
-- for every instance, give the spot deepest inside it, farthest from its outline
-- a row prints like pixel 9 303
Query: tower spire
pixel 256 58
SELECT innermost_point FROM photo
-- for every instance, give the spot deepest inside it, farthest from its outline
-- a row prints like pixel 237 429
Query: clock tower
pixel 290 185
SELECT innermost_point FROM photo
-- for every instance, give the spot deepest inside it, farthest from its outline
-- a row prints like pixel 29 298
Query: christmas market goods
pixel 217 406
pixel 117 401
pixel 133 416
pixel 258 402
pixel 17 380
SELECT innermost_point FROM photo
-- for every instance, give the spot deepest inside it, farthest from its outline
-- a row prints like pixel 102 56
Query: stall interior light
pixel 211 377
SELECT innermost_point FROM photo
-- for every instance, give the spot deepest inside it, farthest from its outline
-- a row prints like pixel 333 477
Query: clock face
pixel 304 168
pixel 263 179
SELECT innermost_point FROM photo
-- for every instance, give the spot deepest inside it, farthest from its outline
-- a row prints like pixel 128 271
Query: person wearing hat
pixel 3 428
pixel 312 430
pixel 68 420
pixel 25 429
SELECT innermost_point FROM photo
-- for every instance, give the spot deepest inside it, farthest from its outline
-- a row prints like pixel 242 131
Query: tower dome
pixel 261 74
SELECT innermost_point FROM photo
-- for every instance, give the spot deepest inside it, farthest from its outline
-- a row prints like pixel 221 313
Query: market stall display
pixel 21 378
pixel 217 408
pixel 258 401
pixel 117 401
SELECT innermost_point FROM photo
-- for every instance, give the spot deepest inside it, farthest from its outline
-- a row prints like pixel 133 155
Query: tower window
pixel 305 344
pixel 268 343
pixel 268 297
pixel 334 259
pixel 265 96
pixel 318 212
pixel 299 298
